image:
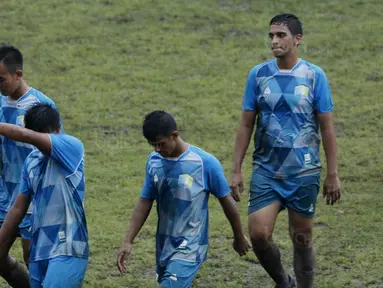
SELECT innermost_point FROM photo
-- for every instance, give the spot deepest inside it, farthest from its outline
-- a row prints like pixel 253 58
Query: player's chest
pixel 178 184
pixel 285 92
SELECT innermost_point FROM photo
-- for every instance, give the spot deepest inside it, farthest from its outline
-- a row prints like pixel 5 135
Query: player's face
pixel 282 41
pixel 165 146
pixel 9 82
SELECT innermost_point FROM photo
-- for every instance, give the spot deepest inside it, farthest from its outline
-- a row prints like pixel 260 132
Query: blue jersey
pixel 287 138
pixel 181 188
pixel 14 153
pixel 56 185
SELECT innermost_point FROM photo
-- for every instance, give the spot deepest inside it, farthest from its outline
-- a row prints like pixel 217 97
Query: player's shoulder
pixel 68 139
pixel 316 69
pixel 206 158
pixel 263 69
pixel 40 96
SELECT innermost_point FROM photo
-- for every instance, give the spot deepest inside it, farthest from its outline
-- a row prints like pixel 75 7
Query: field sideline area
pixel 106 63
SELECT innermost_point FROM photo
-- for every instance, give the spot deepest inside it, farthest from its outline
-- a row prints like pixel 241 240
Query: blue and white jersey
pixel 13 154
pixel 56 184
pixel 287 138
pixel 181 188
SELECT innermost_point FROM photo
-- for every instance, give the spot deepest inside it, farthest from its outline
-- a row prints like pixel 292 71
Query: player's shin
pixel 304 266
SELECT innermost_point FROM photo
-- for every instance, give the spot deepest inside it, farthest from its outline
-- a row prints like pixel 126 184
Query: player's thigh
pixel 264 206
pixel 301 207
pixel 64 272
pixel 179 274
pixel 303 199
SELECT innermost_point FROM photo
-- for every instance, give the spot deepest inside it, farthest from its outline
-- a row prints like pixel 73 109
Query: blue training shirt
pixel 13 153
pixel 56 184
pixel 181 188
pixel 287 138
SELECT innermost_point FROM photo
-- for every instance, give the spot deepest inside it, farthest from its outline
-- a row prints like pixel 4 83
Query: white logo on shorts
pixel 174 277
pixel 311 209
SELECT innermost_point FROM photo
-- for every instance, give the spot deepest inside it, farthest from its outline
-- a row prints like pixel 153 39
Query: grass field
pixel 108 62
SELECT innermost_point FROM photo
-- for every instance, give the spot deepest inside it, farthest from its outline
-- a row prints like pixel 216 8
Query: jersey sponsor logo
pixel 307 158
pixel 62 236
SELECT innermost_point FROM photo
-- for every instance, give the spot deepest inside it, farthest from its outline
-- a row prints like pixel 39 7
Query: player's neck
pixel 20 91
pixel 181 148
pixel 287 63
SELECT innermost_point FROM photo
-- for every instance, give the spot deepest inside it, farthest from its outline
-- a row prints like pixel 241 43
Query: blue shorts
pixel 177 273
pixel 58 272
pixel 25 227
pixel 298 194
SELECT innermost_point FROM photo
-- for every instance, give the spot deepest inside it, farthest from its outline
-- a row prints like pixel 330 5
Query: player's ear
pixel 297 39
pixel 19 73
pixel 175 134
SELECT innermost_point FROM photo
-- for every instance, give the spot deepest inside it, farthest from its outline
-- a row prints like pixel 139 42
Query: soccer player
pixel 180 177
pixel 290 100
pixel 53 178
pixel 16 97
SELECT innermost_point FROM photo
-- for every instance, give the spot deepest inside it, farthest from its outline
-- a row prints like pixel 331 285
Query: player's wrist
pixel 333 173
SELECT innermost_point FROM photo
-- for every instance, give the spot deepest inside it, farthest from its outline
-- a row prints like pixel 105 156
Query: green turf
pixel 106 63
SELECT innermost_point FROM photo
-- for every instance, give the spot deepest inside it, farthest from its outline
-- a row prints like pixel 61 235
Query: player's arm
pixel 10 225
pixel 329 141
pixel 242 139
pixel 324 106
pixel 331 186
pixel 241 243
pixel 137 220
pixel 20 134
pixel 244 133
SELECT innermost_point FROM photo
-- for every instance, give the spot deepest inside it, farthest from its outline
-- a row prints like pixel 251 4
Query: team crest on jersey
pixel 20 120
pixel 302 91
pixel 185 180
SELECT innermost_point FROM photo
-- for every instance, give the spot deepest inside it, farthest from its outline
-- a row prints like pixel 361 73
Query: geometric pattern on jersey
pixel 181 188
pixel 287 139
pixel 14 153
pixel 57 186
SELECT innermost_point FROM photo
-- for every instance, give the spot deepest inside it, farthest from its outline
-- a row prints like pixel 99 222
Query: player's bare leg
pixel 304 256
pixel 261 227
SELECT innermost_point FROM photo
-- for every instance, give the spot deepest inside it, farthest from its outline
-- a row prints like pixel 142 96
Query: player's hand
pixel 122 255
pixel 331 189
pixel 241 245
pixel 236 186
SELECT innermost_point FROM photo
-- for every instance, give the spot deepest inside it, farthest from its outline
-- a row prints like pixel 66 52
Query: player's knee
pixel 261 239
pixel 301 238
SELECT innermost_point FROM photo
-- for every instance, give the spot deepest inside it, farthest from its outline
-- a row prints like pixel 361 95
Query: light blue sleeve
pixel 322 94
pixel 68 151
pixel 25 187
pixel 250 96
pixel 215 177
pixel 148 189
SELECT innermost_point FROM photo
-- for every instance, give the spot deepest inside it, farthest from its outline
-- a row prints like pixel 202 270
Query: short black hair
pixel 12 58
pixel 158 123
pixel 42 118
pixel 290 20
